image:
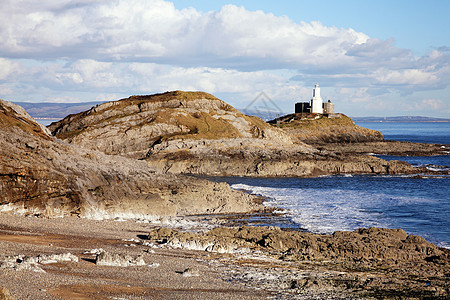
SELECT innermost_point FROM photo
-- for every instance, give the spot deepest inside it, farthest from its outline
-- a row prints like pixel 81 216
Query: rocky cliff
pixel 133 126
pixel 323 130
pixel 196 133
pixel 340 135
pixel 42 175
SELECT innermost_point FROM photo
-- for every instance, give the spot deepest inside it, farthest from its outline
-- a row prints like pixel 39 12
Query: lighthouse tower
pixel 316 101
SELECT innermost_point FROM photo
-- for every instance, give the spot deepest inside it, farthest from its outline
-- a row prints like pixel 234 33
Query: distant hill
pixel 400 119
pixel 264 114
pixel 50 110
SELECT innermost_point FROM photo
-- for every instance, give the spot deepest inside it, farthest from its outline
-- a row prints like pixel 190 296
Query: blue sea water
pixel 47 122
pixel 419 205
pixel 432 132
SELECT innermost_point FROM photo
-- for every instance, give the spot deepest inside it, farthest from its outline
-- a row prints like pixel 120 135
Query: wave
pixel 325 205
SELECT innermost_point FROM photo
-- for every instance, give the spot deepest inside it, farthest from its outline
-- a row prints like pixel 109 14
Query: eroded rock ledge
pixel 388 147
pixel 371 262
pixel 270 163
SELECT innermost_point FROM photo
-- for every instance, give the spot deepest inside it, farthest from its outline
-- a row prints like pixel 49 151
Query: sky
pixel 371 58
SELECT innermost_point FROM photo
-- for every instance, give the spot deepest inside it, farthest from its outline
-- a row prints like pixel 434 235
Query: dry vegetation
pixel 294 120
pixel 180 95
pixel 201 125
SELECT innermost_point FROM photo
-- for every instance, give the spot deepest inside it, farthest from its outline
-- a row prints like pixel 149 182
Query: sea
pixel 418 204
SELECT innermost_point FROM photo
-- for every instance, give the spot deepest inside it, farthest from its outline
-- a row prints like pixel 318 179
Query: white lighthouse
pixel 316 101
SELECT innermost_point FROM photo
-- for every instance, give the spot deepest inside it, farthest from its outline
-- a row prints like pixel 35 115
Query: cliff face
pixel 133 126
pixel 323 130
pixel 276 165
pixel 41 175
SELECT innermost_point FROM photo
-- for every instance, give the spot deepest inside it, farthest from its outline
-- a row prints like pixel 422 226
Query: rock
pixel 32 263
pixel 95 251
pixel 271 163
pixel 133 126
pixel 190 272
pixel 41 175
pixel 153 265
pixel 54 258
pixel 395 148
pixel 371 247
pixel 118 260
pixel 18 115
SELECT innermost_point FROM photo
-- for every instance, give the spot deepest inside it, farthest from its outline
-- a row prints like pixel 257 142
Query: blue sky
pixel 372 58
pixel 415 24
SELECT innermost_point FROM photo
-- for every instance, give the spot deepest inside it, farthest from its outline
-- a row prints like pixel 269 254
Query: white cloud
pixel 8 69
pixel 405 77
pixel 433 104
pixel 5 90
pixel 103 48
pixel 154 31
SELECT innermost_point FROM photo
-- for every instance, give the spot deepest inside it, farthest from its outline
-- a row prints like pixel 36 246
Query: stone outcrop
pixel 388 148
pixel 339 134
pixel 42 175
pixel 130 127
pixel 34 263
pixel 270 163
pixel 364 247
pixel 196 133
pixel 323 130
pixel 118 260
pixel 366 263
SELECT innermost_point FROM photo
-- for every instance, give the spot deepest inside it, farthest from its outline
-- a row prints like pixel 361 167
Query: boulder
pixel 118 260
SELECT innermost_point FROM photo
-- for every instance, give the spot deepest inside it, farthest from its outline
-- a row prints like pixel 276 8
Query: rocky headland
pixel 44 176
pixel 196 133
pixel 316 129
pixel 339 134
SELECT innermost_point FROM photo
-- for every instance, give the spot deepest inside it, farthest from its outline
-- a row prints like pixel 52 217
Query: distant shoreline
pixel 405 121
pixel 401 119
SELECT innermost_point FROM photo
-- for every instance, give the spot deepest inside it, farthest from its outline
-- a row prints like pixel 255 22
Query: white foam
pixel 329 210
pixel 444 245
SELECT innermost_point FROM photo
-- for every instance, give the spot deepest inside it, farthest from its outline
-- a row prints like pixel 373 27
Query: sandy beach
pixel 163 276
